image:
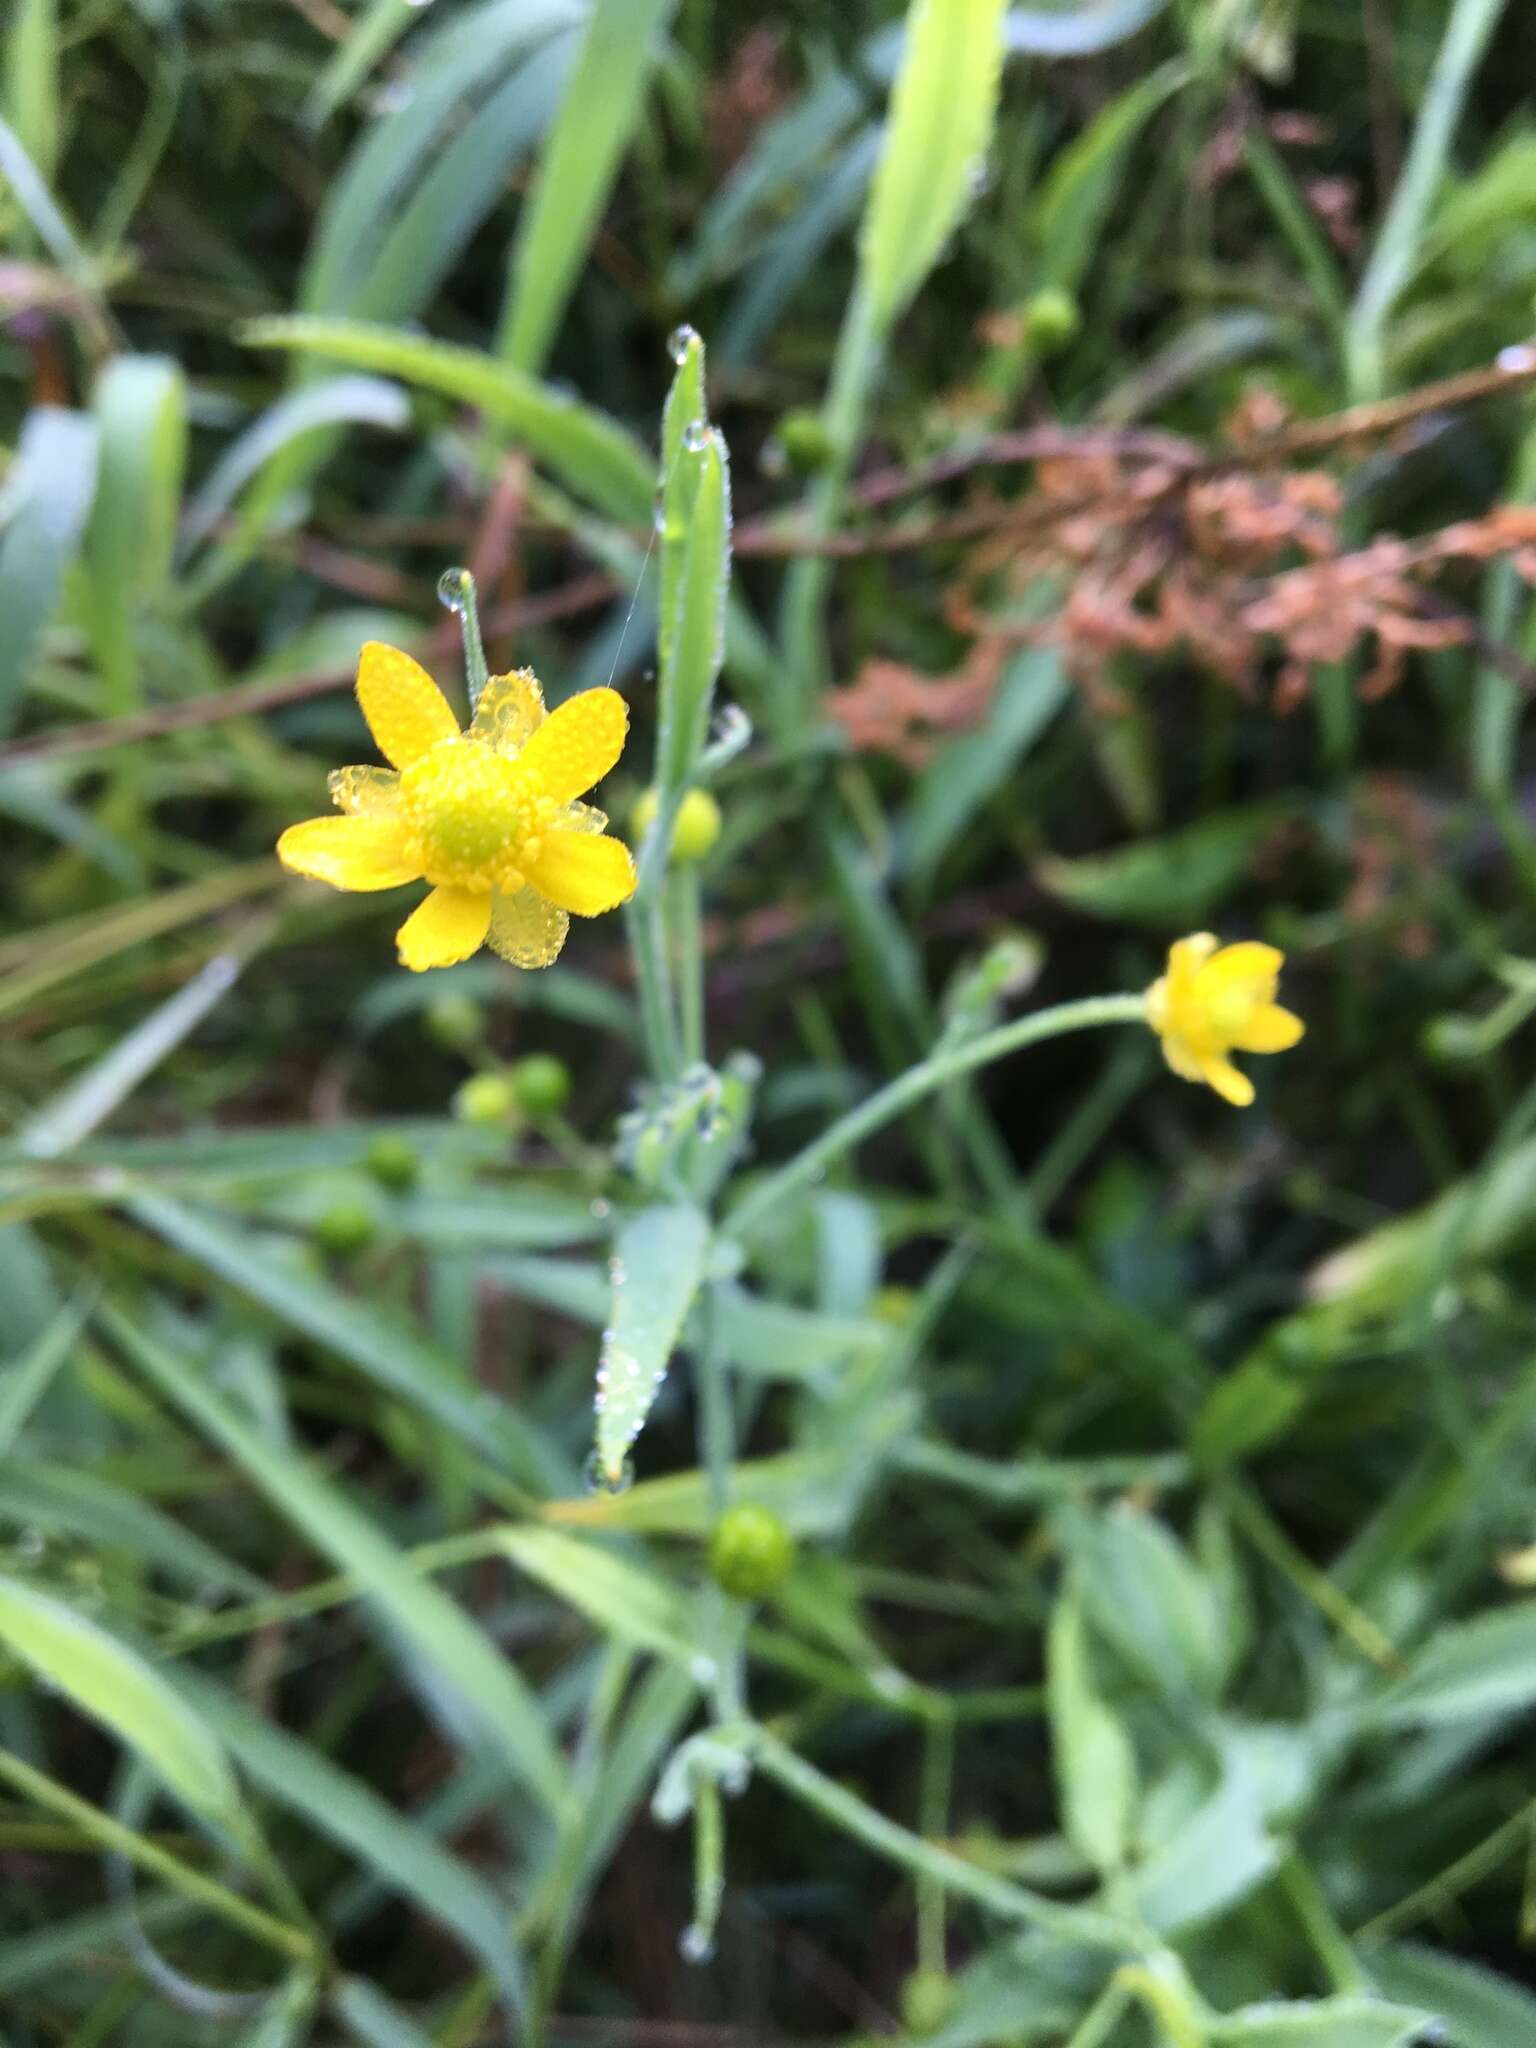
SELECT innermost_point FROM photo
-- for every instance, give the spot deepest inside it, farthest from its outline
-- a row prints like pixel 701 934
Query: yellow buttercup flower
pixel 488 816
pixel 1217 999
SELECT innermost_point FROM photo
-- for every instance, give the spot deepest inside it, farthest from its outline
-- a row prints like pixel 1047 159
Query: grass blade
pixel 501 1709
pixel 576 172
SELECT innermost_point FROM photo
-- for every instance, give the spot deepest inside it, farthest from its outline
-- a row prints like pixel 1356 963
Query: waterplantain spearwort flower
pixel 489 816
pixel 1217 999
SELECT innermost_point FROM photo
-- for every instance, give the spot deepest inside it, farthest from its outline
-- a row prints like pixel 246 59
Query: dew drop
pixel 597 1477
pixel 696 437
pixel 1517 361
pixel 601 1209
pixel 680 340
pixel 695 1945
pixel 454 588
pixel 703 1670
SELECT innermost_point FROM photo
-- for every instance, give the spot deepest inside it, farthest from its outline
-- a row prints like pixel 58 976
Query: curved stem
pixel 942 1065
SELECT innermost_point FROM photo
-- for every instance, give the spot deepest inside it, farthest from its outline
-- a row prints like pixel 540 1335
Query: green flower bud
pixel 345 1228
pixel 695 831
pixel 894 1305
pixel 927 1998
pixel 392 1161
pixel 542 1083
pixel 455 1022
pixel 804 439
pixel 488 1101
pixel 1052 320
pixel 750 1552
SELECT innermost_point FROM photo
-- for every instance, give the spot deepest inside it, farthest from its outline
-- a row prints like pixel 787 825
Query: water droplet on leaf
pixel 696 436
pixel 598 1478
pixel 680 340
pixel 694 1945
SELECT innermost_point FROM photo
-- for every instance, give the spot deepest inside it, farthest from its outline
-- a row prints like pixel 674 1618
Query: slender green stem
pixel 111 1834
pixel 1102 2017
pixel 717 1419
pixel 942 1065
pixel 843 1809
pixel 466 602
pixel 859 350
pixel 938 1774
pixel 686 923
pixel 647 942
pixel 1329 1941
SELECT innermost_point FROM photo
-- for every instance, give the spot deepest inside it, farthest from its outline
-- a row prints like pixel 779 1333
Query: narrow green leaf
pixel 141 419
pixel 347 1812
pixel 373 2019
pixel 1066 220
pixel 695 576
pixel 576 171
pixel 1468 26
pixel 1483 1666
pixel 621 1597
pixel 1095 1764
pixel 1323 2023
pixel 1169 883
pixel 47 497
pixel 465 1660
pixel 585 449
pixel 966 772
pixel 1481 2010
pixel 658 1268
pixel 384 1348
pixel 115 1686
pixel 937 138
pixel 25 1381
pixel 64 1501
pixel 32 80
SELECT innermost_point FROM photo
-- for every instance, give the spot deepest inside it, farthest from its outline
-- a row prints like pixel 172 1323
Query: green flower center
pixel 471 813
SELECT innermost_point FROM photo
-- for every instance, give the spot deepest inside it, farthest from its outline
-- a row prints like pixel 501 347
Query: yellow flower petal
pixel 446 926
pixel 527 930
pixel 1247 965
pixel 406 712
pixel 1227 1081
pixel 349 853
pixel 364 792
pixel 510 710
pixel 576 745
pixel 1270 1029
pixel 581 871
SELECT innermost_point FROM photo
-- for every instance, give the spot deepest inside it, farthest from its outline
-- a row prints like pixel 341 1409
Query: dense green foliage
pixel 1072 1588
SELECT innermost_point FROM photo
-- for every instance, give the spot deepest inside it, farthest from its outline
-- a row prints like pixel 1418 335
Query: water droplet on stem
pixel 455 588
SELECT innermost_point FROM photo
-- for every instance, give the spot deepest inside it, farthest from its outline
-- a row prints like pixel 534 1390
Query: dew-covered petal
pixel 510 710
pixel 1270 1029
pixel 576 745
pixel 349 853
pixel 581 871
pixel 583 818
pixel 406 712
pixel 1221 1075
pixel 364 792
pixel 446 926
pixel 526 929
